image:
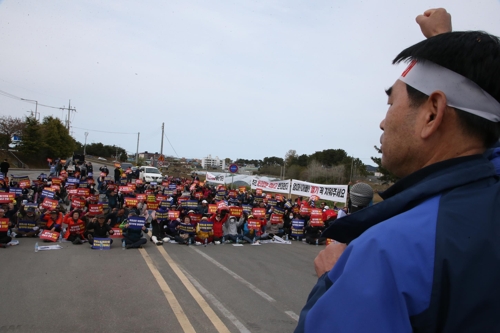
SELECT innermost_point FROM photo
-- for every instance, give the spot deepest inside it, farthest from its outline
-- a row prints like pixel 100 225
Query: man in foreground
pixel 417 262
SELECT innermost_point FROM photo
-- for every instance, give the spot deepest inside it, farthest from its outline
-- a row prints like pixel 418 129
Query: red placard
pixel 258 192
pixel 77 203
pixel 56 187
pixel 198 195
pixel 83 192
pixel 24 183
pixel 131 202
pixel 141 196
pixel 93 198
pixel 212 208
pixel 117 233
pixel 254 224
pixel 73 191
pixel 221 188
pixel 125 189
pixel 49 203
pixel 152 205
pixel 7 197
pixel 232 194
pixel 173 214
pixel 236 211
pixel 304 210
pixel 77 228
pixel 161 198
pixel 52 236
pixel 276 218
pixel 259 212
pixel 316 212
pixel 131 186
pixel 96 209
pixel 279 197
pixel 56 181
pixel 221 204
pixel 4 224
pixel 139 182
pixel 195 218
pixel 316 222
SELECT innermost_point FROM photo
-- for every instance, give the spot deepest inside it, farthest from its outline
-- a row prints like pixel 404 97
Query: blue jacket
pixel 426 259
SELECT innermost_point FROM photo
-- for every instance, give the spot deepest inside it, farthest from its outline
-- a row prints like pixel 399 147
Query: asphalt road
pixel 168 288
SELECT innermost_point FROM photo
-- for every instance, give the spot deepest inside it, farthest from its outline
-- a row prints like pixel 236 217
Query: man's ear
pixel 433 114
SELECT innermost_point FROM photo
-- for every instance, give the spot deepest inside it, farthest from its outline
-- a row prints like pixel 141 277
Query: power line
pixel 102 131
pixel 6 94
pixel 171 145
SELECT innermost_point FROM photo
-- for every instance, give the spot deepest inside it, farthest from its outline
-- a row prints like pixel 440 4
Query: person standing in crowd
pixel 4 167
pixel 117 174
pixel 104 169
pixel 415 262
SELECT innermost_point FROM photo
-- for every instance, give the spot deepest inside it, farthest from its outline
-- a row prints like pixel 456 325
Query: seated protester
pixel 97 228
pixel 218 219
pixel 28 215
pixel 273 229
pixel 203 209
pixel 313 234
pixel 250 235
pixel 187 232
pixel 159 228
pixel 115 219
pixel 54 221
pixel 133 237
pixel 204 231
pixel 287 221
pixel 75 232
pixel 170 228
pixel 232 225
pixel 112 196
pixel 4 239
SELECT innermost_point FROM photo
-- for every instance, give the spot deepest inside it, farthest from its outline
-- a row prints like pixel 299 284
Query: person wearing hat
pixel 219 219
pixel 97 227
pixel 132 236
pixel 53 221
pixel 204 231
pixel 203 209
pixel 75 232
pixel 27 215
pixel 232 225
pixel 159 226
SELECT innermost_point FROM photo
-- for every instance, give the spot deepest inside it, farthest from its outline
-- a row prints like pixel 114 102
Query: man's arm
pixel 434 22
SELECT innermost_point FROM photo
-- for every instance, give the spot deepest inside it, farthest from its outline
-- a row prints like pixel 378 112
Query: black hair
pixel 472 54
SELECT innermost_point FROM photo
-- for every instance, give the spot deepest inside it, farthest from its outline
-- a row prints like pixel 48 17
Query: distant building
pixel 210 163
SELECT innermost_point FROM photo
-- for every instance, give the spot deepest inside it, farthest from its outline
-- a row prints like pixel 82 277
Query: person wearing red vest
pixel 218 219
pixel 76 228
pixel 54 221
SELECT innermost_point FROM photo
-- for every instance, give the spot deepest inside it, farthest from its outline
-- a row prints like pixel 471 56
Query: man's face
pixel 399 140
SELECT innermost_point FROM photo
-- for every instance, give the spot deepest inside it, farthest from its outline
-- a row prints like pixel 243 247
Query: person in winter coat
pixel 219 219
pixel 54 221
pixel 75 232
pixel 232 225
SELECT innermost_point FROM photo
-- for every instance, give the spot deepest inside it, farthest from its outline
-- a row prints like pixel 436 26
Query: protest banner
pixel 165 204
pixel 316 212
pixel 26 225
pixel 48 193
pixel 190 204
pixel 130 202
pixel 195 218
pixel 215 178
pixel 56 181
pixel 141 197
pixel 48 235
pixel 7 197
pixel 72 180
pixel 232 194
pixel 24 183
pixel 276 218
pixel 49 204
pixel 297 228
pixel 173 214
pixel 221 204
pixel 125 189
pixel 77 228
pixel 4 224
pixel 152 205
pixel 254 224
pixel 247 208
pixel 78 203
pixel 161 216
pixel 259 212
pixel 235 211
pixel 316 222
pixel 305 210
pixel 160 198
pixel 55 188
pixel 73 191
pixel 136 222
pixel 83 192
pixel 14 191
pixel 198 195
pixel 117 233
pixel 279 210
pixel 212 208
pixel 336 193
pixel 279 186
pixel 101 244
pixel 272 202
pixel 95 209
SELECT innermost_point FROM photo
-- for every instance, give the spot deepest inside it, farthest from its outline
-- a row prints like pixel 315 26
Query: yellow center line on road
pixel 218 324
pixel 172 300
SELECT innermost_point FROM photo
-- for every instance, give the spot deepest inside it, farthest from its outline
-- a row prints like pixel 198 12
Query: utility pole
pixel 85 146
pixel 137 151
pixel 162 134
pixel 69 110
pixel 116 154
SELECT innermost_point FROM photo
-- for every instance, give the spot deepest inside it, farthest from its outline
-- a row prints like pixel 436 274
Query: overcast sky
pixel 237 79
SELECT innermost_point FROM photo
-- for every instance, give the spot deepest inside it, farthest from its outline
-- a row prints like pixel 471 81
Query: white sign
pixel 336 193
pixel 279 186
pixel 215 178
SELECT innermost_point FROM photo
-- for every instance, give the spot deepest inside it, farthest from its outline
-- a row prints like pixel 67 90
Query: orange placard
pixel 254 224
pixel 83 192
pixel 96 209
pixel 49 203
pixel 152 205
pixel 117 233
pixel 4 224
pixel 316 222
pixel 304 210
pixel 276 218
pixel 316 212
pixel 173 214
pixel 131 202
pixel 212 208
pixel 141 196
pixel 48 235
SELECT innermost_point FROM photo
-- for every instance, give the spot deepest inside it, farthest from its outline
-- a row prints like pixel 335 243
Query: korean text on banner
pixel 279 186
pixel 4 224
pixel 6 197
pixel 324 192
pixel 101 244
pixel 49 235
pixel 136 222
pixel 215 178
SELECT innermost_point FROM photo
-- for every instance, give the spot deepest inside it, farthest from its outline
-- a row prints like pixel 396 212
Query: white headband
pixel 461 93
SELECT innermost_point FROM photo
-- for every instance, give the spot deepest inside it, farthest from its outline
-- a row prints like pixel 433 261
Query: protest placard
pixel 49 204
pixel 78 203
pixel 130 202
pixel 297 228
pixel 336 193
pixel 48 235
pixel 4 224
pixel 235 211
pixel 212 208
pixel 24 225
pixel 259 212
pixel 152 205
pixel 173 214
pixel 136 222
pixel 276 218
pixel 117 233
pixel 254 224
pixel 7 197
pixel 101 244
pixel 95 209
